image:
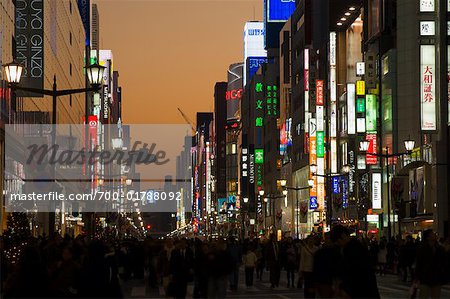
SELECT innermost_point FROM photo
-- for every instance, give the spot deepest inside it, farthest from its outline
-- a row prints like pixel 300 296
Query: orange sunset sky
pixel 170 53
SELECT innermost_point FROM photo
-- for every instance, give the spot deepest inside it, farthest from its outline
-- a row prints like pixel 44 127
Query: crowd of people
pixel 335 265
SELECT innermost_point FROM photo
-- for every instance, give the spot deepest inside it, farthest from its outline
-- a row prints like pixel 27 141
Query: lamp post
pixel 260 205
pixel 344 172
pixel 94 72
pixel 409 146
pixel 297 210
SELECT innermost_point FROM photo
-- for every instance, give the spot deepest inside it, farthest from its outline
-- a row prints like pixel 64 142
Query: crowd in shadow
pixel 335 265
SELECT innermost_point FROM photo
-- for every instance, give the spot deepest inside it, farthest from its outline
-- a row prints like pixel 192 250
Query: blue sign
pixel 253 64
pixel 84 9
pixel 279 10
pixel 313 203
pixel 344 193
pixel 222 204
pixel 335 184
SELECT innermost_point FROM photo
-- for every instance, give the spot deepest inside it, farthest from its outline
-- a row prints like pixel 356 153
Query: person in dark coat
pixel 181 269
pixel 355 270
pixel 325 267
pixel 430 266
pixel 273 261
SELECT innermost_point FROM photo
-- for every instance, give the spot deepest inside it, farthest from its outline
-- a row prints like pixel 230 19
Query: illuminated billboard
pixel 427 87
pixel 279 10
pixel 234 90
pixel 376 190
pixel 253 48
pixel 351 109
pixel 371 113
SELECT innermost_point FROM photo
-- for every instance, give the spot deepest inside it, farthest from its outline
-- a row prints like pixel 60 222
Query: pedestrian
pixel 325 268
pixel 236 260
pixel 430 266
pixel 181 269
pixel 261 262
pixel 273 261
pixel 250 260
pixel 356 273
pixel 306 267
pixel 220 267
pixel 291 262
pixel 382 257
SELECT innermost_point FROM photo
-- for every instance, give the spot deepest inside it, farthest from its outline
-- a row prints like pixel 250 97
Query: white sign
pixel 333 48
pixel 254 33
pixel 360 68
pixel 376 190
pixel 427 28
pixel 360 125
pixel 426 5
pixel 319 117
pixel 372 218
pixel 351 109
pixel 427 87
pixel 333 120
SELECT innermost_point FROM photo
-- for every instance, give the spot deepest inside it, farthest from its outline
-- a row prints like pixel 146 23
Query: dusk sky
pixel 170 53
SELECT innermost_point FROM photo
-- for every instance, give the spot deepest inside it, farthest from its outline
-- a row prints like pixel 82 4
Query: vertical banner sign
pixel 360 88
pixel 319 117
pixel 345 192
pixel 371 113
pixel 306 88
pixel 371 159
pixel 351 109
pixel 320 145
pixel 319 92
pixel 427 87
pixel 448 76
pixel 333 93
pixel 312 160
pixel 376 190
pixel 29 36
pixel 272 100
pixel 84 9
pixel 335 184
pixel 234 90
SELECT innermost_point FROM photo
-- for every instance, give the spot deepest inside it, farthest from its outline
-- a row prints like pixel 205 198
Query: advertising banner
pixel 427 87
pixel 234 90
pixel 279 10
pixel 376 190
pixel 371 159
pixel 351 109
pixel 371 113
pixel 29 36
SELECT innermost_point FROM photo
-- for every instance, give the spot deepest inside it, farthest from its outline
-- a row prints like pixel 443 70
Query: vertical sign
pixel 319 117
pixel 351 109
pixel 376 190
pixel 234 90
pixel 320 144
pixel 29 36
pixel 84 9
pixel 371 113
pixel 371 159
pixel 312 160
pixel 272 100
pixel 427 87
pixel 319 92
pixel 448 78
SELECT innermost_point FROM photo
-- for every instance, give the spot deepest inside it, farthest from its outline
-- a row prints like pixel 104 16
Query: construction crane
pixel 188 121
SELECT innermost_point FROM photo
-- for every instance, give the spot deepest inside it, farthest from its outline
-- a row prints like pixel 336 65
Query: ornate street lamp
pixel 409 145
pixel 261 192
pixel 13 72
pixel 95 74
pixel 283 183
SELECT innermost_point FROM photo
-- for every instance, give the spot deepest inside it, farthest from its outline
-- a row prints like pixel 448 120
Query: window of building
pixel 70 69
pixel 70 7
pixel 70 38
pixel 70 100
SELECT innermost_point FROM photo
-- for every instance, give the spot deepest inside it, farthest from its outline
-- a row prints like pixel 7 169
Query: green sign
pixel 259 156
pixel 259 175
pixel 360 105
pixel 371 112
pixel 259 87
pixel 271 100
pixel 320 145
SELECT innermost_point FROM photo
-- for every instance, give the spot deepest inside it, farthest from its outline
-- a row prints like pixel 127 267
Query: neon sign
pixel 233 94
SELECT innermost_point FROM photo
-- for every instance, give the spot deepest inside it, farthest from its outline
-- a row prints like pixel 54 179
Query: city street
pixel 389 287
pixel 186 138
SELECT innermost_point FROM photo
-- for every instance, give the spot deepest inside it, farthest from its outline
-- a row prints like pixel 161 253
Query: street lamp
pixel 283 183
pixel 409 146
pixel 313 168
pixel 14 72
pixel 261 192
pixel 285 192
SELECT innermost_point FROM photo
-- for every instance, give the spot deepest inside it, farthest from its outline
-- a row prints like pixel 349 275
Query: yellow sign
pixel 360 88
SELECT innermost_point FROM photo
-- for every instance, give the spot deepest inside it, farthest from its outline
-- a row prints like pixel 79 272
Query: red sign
pixel 319 92
pixel 234 94
pixel 371 159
